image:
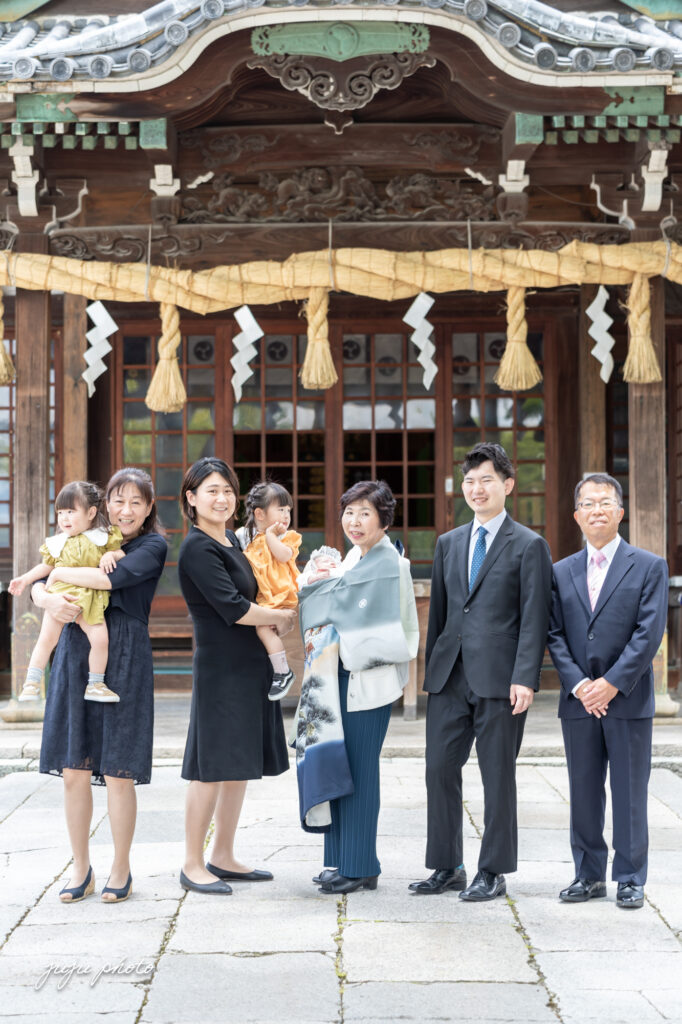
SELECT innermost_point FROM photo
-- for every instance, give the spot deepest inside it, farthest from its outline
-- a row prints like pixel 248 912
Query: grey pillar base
pixel 28 711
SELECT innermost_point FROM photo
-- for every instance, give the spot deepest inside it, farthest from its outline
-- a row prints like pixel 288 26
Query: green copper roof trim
pixel 339 41
pixel 40 107
pixel 647 99
pixel 12 10
pixel 658 9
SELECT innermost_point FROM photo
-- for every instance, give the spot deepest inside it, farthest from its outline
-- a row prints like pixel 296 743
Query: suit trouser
pixel 454 718
pixel 351 843
pixel 625 745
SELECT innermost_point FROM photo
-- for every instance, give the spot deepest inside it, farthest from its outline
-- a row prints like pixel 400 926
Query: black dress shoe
pixel 341 884
pixel 326 875
pixel 217 888
pixel 630 896
pixel 583 889
pixel 240 876
pixel 441 880
pixel 485 886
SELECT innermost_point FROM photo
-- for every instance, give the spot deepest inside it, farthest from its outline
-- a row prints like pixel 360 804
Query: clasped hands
pixel 595 696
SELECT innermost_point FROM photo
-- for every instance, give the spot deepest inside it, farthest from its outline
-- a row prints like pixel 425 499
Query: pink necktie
pixel 595 576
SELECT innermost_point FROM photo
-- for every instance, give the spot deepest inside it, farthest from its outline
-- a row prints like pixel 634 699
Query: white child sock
pixel 95 677
pixel 34 675
pixel 279 662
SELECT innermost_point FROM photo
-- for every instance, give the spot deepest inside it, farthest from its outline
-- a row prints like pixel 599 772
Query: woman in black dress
pixel 106 743
pixel 235 733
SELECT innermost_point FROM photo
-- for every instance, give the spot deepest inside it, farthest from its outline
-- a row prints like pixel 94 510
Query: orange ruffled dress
pixel 277 586
pixel 79 552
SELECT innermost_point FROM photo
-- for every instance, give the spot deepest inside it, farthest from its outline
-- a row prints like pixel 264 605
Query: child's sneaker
pixel 281 684
pixel 30 691
pixel 101 693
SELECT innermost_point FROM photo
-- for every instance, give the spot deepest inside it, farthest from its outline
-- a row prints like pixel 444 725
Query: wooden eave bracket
pixel 654 174
pixel 163 184
pixel 521 136
pixel 25 177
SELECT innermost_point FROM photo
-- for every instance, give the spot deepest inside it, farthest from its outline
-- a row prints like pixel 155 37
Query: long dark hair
pixel 83 494
pixel 195 476
pixel 262 495
pixel 143 482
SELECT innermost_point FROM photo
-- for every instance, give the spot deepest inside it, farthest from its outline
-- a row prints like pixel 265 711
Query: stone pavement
pixel 282 952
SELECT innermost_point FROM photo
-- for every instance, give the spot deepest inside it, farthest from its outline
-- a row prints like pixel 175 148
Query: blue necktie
pixel 479 555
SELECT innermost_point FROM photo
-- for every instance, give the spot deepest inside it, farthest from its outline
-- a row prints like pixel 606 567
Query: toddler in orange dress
pixel 271 548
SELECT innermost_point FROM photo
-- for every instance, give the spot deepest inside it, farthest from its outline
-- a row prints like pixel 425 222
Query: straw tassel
pixel 518 369
pixel 167 392
pixel 7 371
pixel 641 365
pixel 318 370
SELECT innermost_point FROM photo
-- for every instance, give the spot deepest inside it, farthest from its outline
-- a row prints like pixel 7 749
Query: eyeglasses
pixel 607 505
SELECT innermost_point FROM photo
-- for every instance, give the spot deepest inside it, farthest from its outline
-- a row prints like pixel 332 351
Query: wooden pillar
pixel 591 395
pixel 647 459
pixel 74 389
pixel 31 448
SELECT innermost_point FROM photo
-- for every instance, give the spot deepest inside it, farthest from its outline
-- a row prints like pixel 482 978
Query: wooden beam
pixel 30 470
pixel 591 394
pixel 647 451
pixel 74 390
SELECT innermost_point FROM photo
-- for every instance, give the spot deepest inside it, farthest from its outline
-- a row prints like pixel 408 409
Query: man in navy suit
pixel 609 610
pixel 488 618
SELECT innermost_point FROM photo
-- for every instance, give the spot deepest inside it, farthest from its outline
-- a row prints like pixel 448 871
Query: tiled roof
pixel 130 47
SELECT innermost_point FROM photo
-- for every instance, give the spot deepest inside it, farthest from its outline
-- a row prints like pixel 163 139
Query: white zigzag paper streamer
pixel 99 346
pixel 246 350
pixel 416 317
pixel 599 330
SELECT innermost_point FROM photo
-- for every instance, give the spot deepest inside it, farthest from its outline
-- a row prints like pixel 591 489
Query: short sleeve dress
pixel 235 732
pixel 81 552
pixel 108 739
pixel 277 582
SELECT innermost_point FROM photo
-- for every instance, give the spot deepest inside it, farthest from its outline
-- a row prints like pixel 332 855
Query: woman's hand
pixel 286 620
pixel 62 607
pixel 321 574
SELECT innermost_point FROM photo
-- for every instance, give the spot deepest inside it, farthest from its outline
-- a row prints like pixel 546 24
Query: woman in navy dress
pixel 87 742
pixel 235 733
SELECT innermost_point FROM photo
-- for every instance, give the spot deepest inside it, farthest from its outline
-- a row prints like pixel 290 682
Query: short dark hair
pixel 82 494
pixel 143 482
pixel 262 495
pixel 486 451
pixel 377 492
pixel 598 478
pixel 195 476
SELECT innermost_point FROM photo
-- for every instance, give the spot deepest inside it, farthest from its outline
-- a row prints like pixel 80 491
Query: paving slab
pixel 445 1001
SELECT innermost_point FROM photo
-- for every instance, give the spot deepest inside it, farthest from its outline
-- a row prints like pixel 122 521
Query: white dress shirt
pixel 608 551
pixel 492 526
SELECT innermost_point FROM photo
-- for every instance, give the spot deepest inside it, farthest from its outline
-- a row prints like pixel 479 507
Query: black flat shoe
pixel 110 895
pixel 485 886
pixel 217 888
pixel 442 880
pixel 630 896
pixel 240 876
pixel 341 884
pixel 583 889
pixel 281 684
pixel 78 892
pixel 327 875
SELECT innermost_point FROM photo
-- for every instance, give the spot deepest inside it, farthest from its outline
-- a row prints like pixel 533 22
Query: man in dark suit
pixel 490 599
pixel 609 609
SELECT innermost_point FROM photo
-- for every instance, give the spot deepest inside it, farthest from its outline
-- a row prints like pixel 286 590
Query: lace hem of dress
pixel 97 774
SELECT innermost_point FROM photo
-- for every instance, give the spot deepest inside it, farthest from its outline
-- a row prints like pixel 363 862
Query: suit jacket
pixel 617 640
pixel 500 627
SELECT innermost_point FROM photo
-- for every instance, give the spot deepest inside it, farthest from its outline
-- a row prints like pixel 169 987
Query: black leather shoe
pixel 240 876
pixel 326 875
pixel 583 889
pixel 441 880
pixel 341 884
pixel 630 896
pixel 217 888
pixel 485 886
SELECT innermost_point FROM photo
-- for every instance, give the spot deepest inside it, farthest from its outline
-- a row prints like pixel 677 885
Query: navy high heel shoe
pixel 78 892
pixel 111 895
